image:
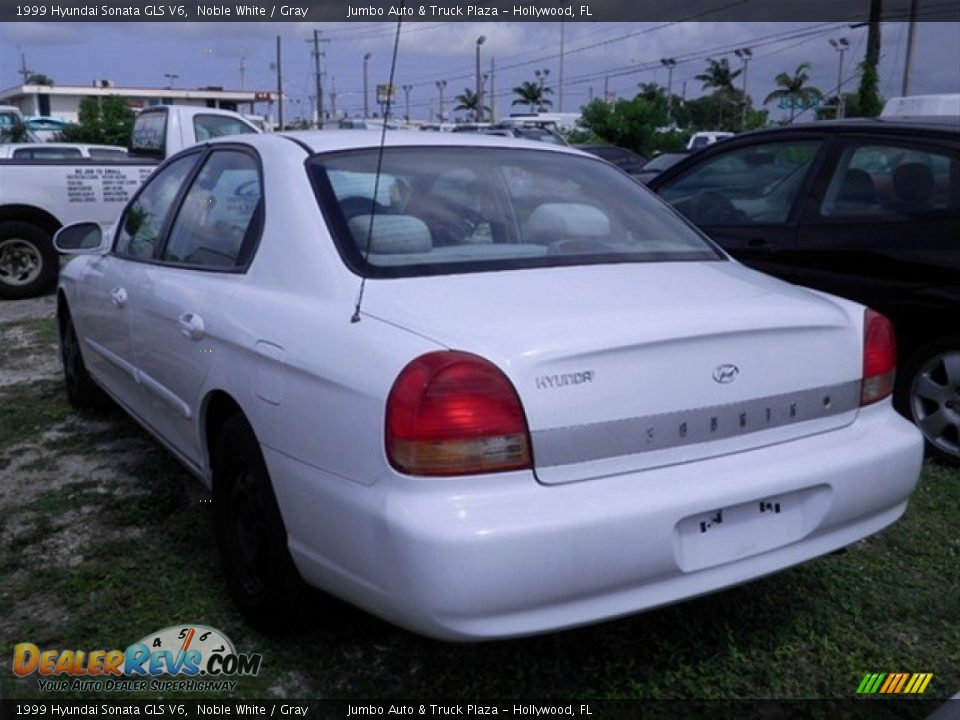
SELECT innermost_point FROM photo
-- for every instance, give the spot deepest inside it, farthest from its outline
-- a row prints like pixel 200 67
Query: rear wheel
pixel 82 392
pixel 28 261
pixel 929 394
pixel 250 532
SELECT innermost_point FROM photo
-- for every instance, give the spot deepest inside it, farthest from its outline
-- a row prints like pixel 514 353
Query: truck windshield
pixel 439 210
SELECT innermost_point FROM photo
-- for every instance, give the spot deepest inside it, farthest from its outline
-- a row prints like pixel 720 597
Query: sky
pixel 620 55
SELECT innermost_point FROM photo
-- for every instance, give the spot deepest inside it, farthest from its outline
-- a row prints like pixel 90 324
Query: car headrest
pixel 857 187
pixel 556 221
pixel 391 234
pixel 913 182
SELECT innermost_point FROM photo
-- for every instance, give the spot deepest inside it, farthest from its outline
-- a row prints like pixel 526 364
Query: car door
pixel 178 329
pixel 881 224
pixel 746 196
pixel 113 283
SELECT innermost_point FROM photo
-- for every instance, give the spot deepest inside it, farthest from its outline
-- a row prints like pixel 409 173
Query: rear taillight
pixel 451 413
pixel 879 358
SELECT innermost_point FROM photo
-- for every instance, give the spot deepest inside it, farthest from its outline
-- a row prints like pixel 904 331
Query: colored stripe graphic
pixel 894 683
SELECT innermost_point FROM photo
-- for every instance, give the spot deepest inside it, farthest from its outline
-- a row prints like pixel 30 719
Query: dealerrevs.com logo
pixel 196 657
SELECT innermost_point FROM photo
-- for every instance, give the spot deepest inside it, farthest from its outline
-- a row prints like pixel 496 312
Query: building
pixel 63 101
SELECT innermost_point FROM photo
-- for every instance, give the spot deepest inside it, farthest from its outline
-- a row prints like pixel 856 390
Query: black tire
pixel 82 392
pixel 29 264
pixel 928 394
pixel 250 533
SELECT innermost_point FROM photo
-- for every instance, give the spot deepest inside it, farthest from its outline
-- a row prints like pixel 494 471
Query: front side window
pixel 218 220
pixel 463 209
pixel 891 182
pixel 144 219
pixel 212 126
pixel 42 153
pixel 751 185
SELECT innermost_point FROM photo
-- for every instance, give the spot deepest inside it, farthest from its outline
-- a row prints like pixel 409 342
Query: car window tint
pixel 891 182
pixel 107 153
pixel 756 184
pixel 47 153
pixel 144 219
pixel 211 126
pixel 468 209
pixel 217 220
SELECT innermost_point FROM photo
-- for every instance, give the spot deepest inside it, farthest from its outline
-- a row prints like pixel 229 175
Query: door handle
pixel 191 325
pixel 118 296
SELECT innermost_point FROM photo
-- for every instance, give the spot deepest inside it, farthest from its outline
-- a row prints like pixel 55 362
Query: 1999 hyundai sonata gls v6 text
pixel 554 402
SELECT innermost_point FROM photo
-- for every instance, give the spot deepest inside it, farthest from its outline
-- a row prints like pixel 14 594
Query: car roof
pixel 898 124
pixel 319 141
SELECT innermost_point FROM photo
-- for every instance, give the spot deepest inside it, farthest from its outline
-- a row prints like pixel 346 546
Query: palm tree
pixel 719 75
pixel 795 89
pixel 468 100
pixel 532 94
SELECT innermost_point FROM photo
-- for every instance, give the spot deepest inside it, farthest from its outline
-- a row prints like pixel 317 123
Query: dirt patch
pixel 31 309
pixel 28 347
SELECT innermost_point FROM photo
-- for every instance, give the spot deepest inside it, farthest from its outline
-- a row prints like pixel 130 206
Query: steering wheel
pixel 712 208
pixel 243 189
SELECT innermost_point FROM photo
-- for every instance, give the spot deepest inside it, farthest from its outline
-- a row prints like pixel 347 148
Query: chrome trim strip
pixel 630 436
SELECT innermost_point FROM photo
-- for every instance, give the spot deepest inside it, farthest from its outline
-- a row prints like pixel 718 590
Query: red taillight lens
pixel 879 358
pixel 451 413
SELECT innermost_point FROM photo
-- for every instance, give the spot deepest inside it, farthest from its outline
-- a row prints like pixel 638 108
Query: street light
pixel 841 45
pixel 366 91
pixel 745 54
pixel 541 75
pixel 406 94
pixel 480 41
pixel 669 64
pixel 441 84
pixel 170 78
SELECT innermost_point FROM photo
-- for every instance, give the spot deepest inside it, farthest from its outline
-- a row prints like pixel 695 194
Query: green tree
pixel 39 79
pixel 468 100
pixel 106 121
pixel 719 75
pixel 867 101
pixel 794 89
pixel 532 94
pixel 630 123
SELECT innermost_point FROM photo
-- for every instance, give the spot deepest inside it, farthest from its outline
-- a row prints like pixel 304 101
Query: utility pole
pixel 406 102
pixel 441 85
pixel 243 73
pixel 479 91
pixel 560 93
pixel 493 95
pixel 669 63
pixel 279 84
pixel 911 37
pixel 23 69
pixel 333 97
pixel 366 101
pixel 841 45
pixel 606 88
pixel 318 74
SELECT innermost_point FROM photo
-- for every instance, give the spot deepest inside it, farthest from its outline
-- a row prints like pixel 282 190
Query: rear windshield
pixel 440 210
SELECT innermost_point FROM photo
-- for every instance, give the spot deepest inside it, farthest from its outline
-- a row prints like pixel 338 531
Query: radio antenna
pixel 355 318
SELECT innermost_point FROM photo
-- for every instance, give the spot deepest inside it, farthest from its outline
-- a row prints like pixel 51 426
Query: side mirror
pixel 83 238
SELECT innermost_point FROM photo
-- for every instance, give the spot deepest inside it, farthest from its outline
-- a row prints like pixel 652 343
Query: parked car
pixel 707 137
pixel 38 198
pixel 866 209
pixel 656 165
pixel 61 151
pixel 525 133
pixel 479 387
pixel 624 158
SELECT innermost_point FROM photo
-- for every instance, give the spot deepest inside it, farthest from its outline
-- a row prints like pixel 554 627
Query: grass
pixel 124 546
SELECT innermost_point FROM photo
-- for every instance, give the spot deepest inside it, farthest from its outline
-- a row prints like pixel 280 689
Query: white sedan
pixel 479 387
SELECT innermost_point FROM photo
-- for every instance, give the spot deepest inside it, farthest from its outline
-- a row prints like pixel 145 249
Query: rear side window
pixel 145 218
pixel 218 221
pixel 108 153
pixel 213 126
pixel 891 182
pixel 43 153
pixel 751 185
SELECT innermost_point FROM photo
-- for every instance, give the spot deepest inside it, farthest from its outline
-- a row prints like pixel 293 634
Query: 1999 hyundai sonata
pixel 479 387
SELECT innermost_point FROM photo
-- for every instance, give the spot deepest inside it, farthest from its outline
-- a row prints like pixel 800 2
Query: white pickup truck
pixel 38 197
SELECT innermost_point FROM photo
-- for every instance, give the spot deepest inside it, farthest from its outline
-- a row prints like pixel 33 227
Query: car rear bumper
pixel 500 556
